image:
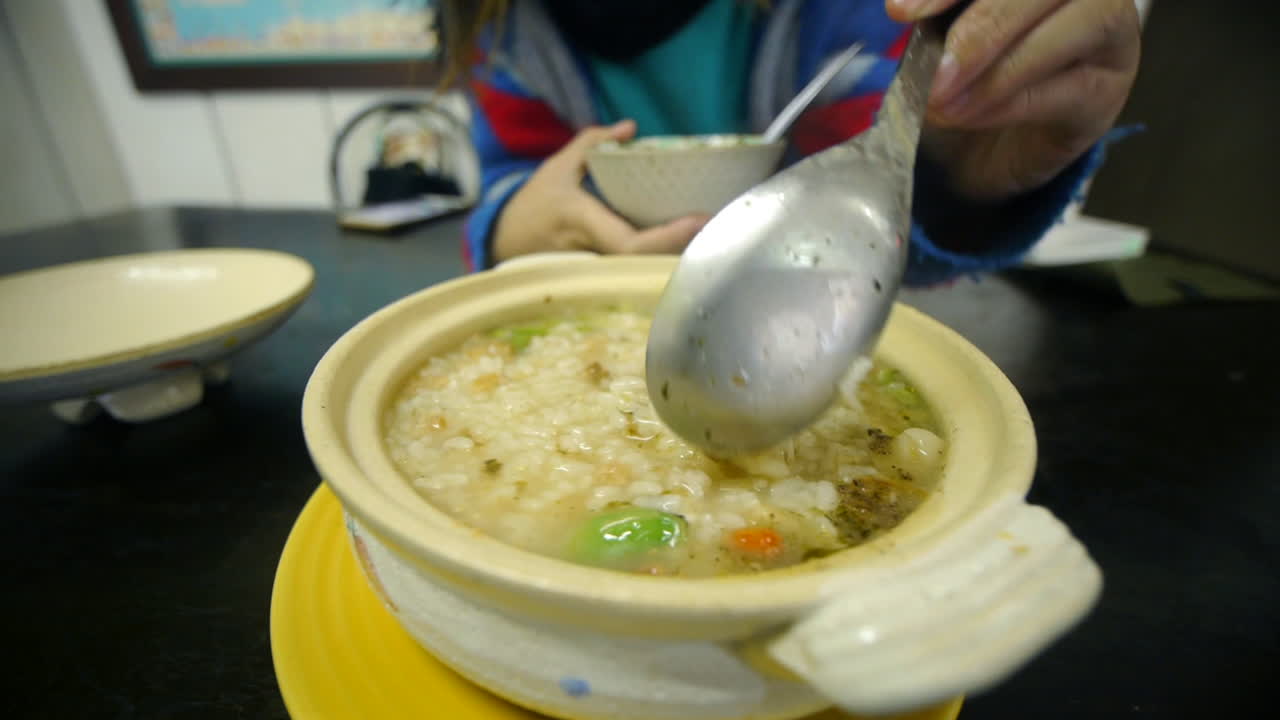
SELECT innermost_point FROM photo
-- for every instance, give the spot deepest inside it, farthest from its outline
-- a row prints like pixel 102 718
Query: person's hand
pixel 1025 87
pixel 553 212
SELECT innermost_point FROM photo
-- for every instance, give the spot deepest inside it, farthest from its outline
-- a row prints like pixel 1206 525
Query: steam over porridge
pixel 543 436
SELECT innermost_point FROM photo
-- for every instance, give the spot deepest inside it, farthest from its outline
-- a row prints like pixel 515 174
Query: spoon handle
pixel 783 121
pixel 902 113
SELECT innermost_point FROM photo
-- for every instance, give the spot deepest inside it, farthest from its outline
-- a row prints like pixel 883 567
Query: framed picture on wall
pixel 230 44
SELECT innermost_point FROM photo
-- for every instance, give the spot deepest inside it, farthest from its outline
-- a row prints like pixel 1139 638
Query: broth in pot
pixel 542 435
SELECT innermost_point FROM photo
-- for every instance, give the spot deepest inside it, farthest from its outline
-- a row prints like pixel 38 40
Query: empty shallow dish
pixel 139 334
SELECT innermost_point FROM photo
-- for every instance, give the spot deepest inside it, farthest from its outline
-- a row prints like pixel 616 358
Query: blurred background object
pixel 1201 177
pixel 81 140
pixel 397 162
pixel 240 44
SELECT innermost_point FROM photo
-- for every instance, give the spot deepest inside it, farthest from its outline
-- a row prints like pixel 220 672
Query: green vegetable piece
pixel 887 376
pixel 615 537
pixel 904 394
pixel 897 387
pixel 520 337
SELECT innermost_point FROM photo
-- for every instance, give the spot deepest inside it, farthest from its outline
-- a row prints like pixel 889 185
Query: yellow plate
pixel 340 654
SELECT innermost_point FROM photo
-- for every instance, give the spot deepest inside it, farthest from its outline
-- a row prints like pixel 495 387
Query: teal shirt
pixel 694 82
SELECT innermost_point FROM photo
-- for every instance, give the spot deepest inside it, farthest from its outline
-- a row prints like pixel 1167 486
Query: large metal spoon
pixel 786 286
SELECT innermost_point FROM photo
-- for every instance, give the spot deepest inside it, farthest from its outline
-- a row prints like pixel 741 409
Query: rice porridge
pixel 543 436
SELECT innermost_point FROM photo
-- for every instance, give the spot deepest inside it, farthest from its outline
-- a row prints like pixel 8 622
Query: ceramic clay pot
pixel 967 589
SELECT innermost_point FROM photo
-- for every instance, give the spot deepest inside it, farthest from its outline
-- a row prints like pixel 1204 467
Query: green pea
pixel 614 537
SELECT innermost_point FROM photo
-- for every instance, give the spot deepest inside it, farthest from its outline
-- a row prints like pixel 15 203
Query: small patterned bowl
pixel 657 179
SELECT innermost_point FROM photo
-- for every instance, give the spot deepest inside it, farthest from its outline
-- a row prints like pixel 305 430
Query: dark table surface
pixel 140 562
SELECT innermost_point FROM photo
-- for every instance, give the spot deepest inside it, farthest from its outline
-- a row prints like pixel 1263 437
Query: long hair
pixel 462 22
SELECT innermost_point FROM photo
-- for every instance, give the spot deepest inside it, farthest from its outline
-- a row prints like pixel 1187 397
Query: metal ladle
pixel 787 285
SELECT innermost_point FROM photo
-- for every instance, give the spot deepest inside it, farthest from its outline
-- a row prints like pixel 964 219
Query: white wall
pixel 76 108
pixel 33 187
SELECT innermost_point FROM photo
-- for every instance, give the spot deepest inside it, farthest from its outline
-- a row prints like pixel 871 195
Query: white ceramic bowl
pixel 967 589
pixel 654 180
pixel 139 334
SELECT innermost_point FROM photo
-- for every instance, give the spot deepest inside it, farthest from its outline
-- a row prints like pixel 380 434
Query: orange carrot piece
pixel 758 541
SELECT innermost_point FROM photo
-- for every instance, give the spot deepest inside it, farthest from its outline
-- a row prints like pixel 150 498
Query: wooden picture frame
pixel 257 73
